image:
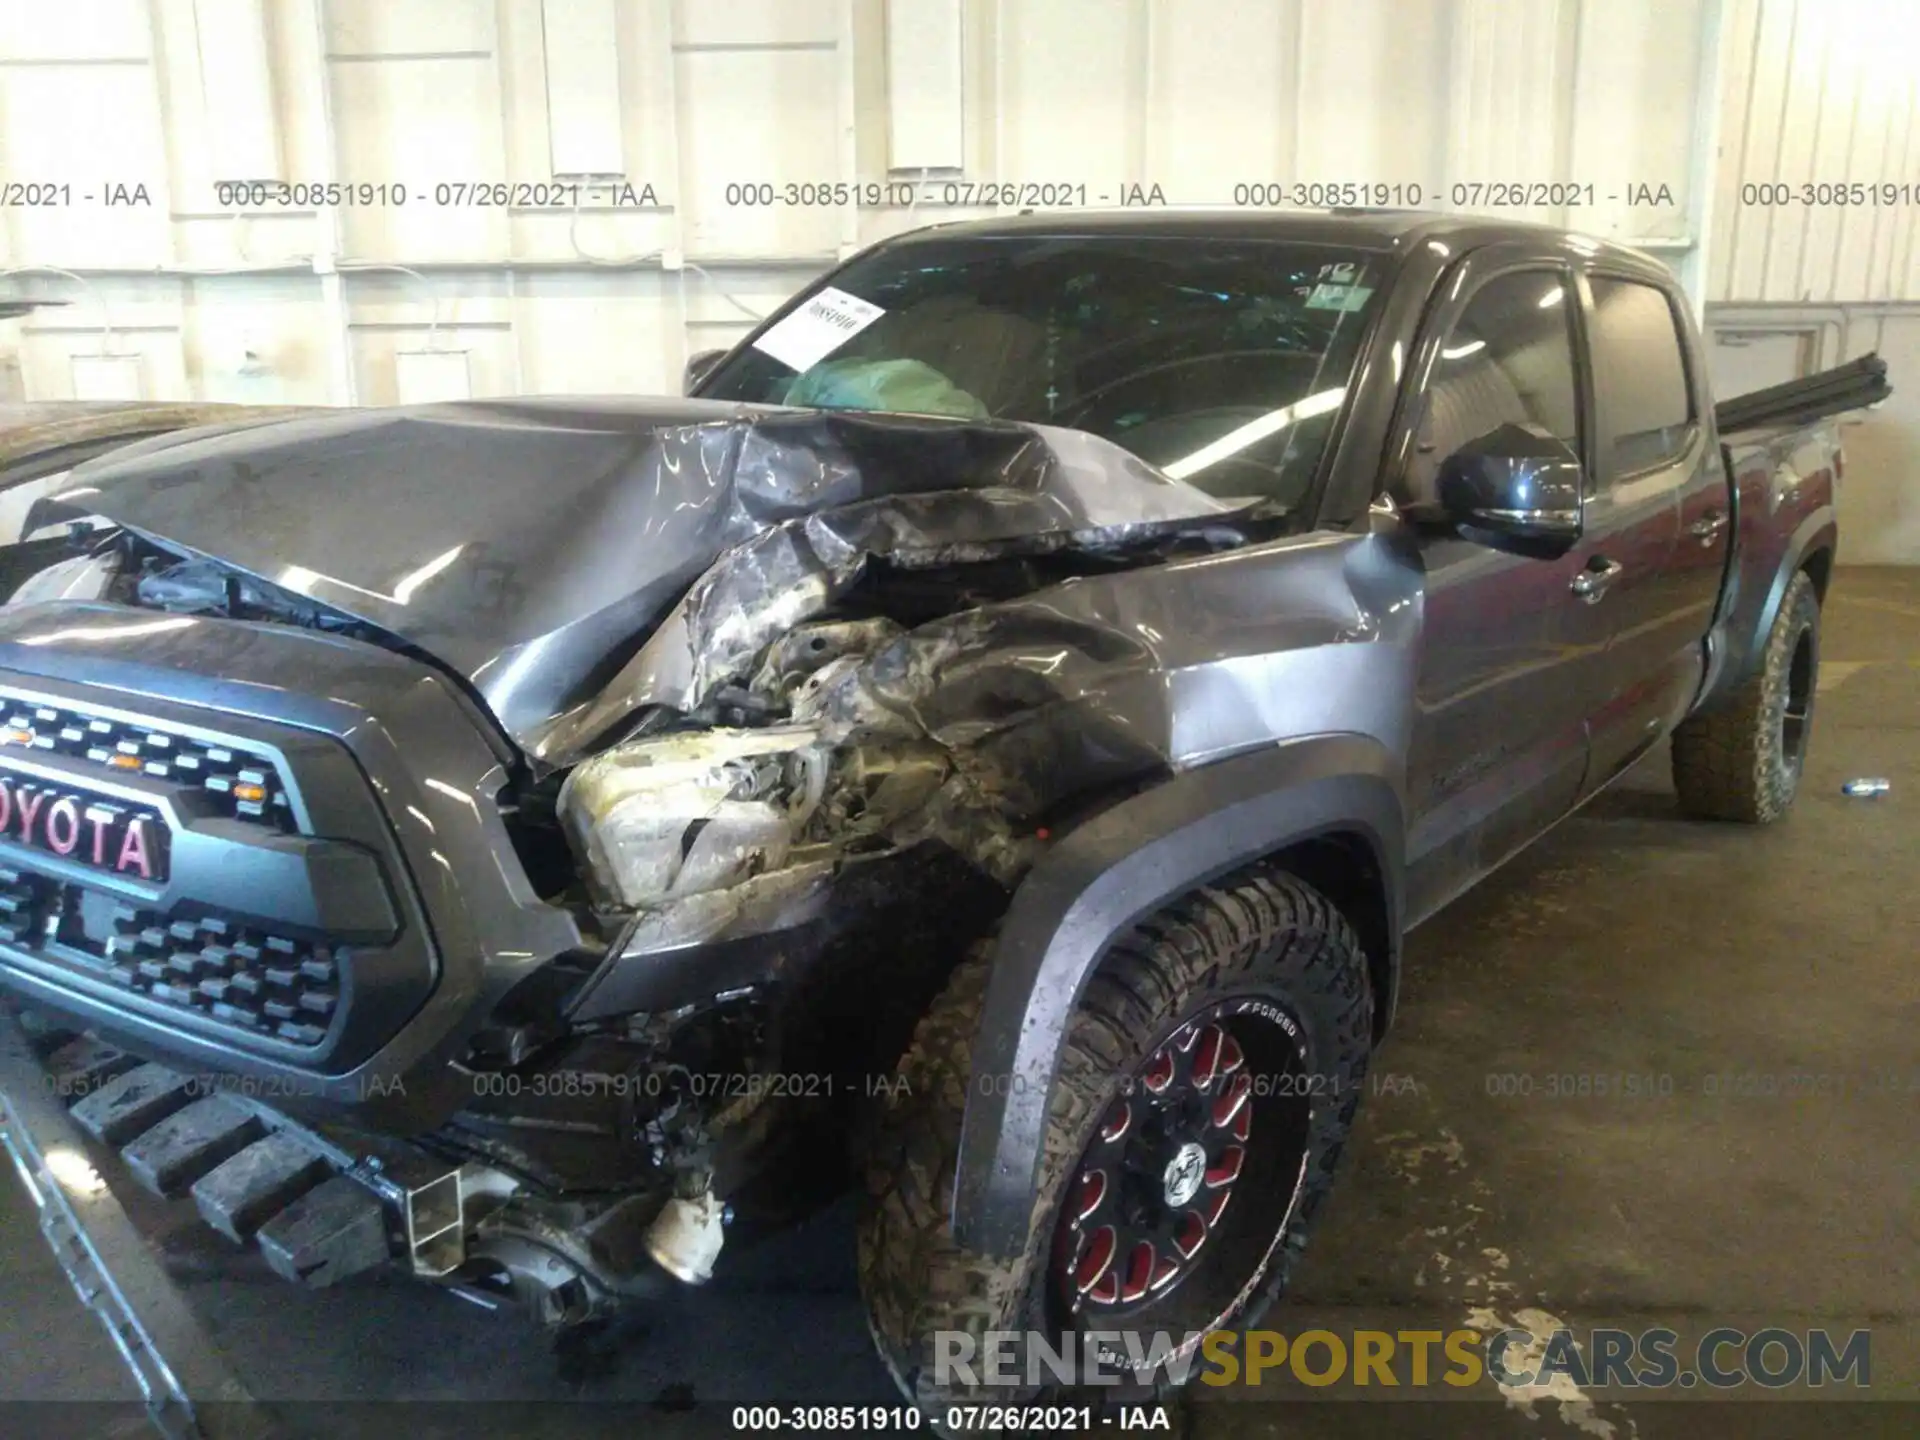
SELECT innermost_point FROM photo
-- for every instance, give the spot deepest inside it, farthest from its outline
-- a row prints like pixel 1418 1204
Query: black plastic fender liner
pixel 1100 880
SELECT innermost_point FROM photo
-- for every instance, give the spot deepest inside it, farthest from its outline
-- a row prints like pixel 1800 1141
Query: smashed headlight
pixel 681 814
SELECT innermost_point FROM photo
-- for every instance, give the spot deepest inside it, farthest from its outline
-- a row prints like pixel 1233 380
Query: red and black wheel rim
pixel 1183 1191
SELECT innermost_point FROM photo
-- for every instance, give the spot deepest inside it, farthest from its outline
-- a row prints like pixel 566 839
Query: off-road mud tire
pixel 1736 761
pixel 1262 931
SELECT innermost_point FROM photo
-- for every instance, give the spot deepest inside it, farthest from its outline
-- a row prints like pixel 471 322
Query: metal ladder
pixel 167 1405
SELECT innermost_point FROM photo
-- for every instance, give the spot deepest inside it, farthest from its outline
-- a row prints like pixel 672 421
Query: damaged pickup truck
pixel 990 739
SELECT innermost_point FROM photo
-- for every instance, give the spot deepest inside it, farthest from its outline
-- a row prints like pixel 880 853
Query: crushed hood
pixel 534 546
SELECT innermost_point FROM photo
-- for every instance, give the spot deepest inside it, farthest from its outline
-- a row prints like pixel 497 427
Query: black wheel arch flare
pixel 1104 877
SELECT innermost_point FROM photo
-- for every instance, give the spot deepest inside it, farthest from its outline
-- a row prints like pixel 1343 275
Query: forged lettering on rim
pixel 91 830
pixel 1267 1010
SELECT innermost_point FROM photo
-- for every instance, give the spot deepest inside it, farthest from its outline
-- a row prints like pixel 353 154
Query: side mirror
pixel 699 366
pixel 1514 489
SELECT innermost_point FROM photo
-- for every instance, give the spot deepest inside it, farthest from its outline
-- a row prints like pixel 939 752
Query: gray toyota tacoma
pixel 988 740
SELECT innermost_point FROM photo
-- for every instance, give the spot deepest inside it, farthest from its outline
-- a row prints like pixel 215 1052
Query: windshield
pixel 1223 362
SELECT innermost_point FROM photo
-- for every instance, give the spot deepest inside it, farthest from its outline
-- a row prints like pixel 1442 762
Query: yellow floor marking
pixel 1891 606
pixel 1835 673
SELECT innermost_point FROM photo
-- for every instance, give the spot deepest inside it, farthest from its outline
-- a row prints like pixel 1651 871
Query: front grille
pixel 241 977
pixel 287 932
pixel 241 784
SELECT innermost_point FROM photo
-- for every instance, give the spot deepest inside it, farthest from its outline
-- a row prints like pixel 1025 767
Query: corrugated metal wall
pixel 1656 112
pixel 155 102
pixel 1818 185
pixel 1811 257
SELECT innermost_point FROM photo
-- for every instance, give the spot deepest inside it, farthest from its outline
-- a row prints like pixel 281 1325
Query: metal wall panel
pixel 926 84
pixel 242 140
pixel 1219 71
pixel 1092 97
pixel 580 45
pixel 1824 98
pixel 101 30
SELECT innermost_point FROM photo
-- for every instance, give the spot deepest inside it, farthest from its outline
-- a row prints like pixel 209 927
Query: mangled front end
pixel 819 780
pixel 913 649
pixel 873 678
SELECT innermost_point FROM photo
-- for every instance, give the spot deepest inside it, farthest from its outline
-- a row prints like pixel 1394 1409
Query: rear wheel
pixel 1208 1081
pixel 1742 760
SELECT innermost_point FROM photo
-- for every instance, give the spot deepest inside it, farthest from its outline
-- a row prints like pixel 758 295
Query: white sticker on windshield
pixel 1338 297
pixel 818 328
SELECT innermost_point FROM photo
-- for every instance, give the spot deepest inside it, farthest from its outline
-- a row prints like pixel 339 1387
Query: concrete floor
pixel 1626 943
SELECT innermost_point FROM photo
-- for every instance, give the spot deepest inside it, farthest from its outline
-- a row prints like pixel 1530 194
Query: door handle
pixel 1591 583
pixel 1708 527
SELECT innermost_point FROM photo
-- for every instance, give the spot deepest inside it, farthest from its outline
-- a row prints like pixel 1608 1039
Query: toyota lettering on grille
pixel 88 829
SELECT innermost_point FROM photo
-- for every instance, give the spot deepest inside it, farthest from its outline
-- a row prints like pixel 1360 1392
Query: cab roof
pixel 1383 230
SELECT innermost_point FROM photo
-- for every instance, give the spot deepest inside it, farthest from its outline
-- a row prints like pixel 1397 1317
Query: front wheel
pixel 1742 759
pixel 1208 1079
